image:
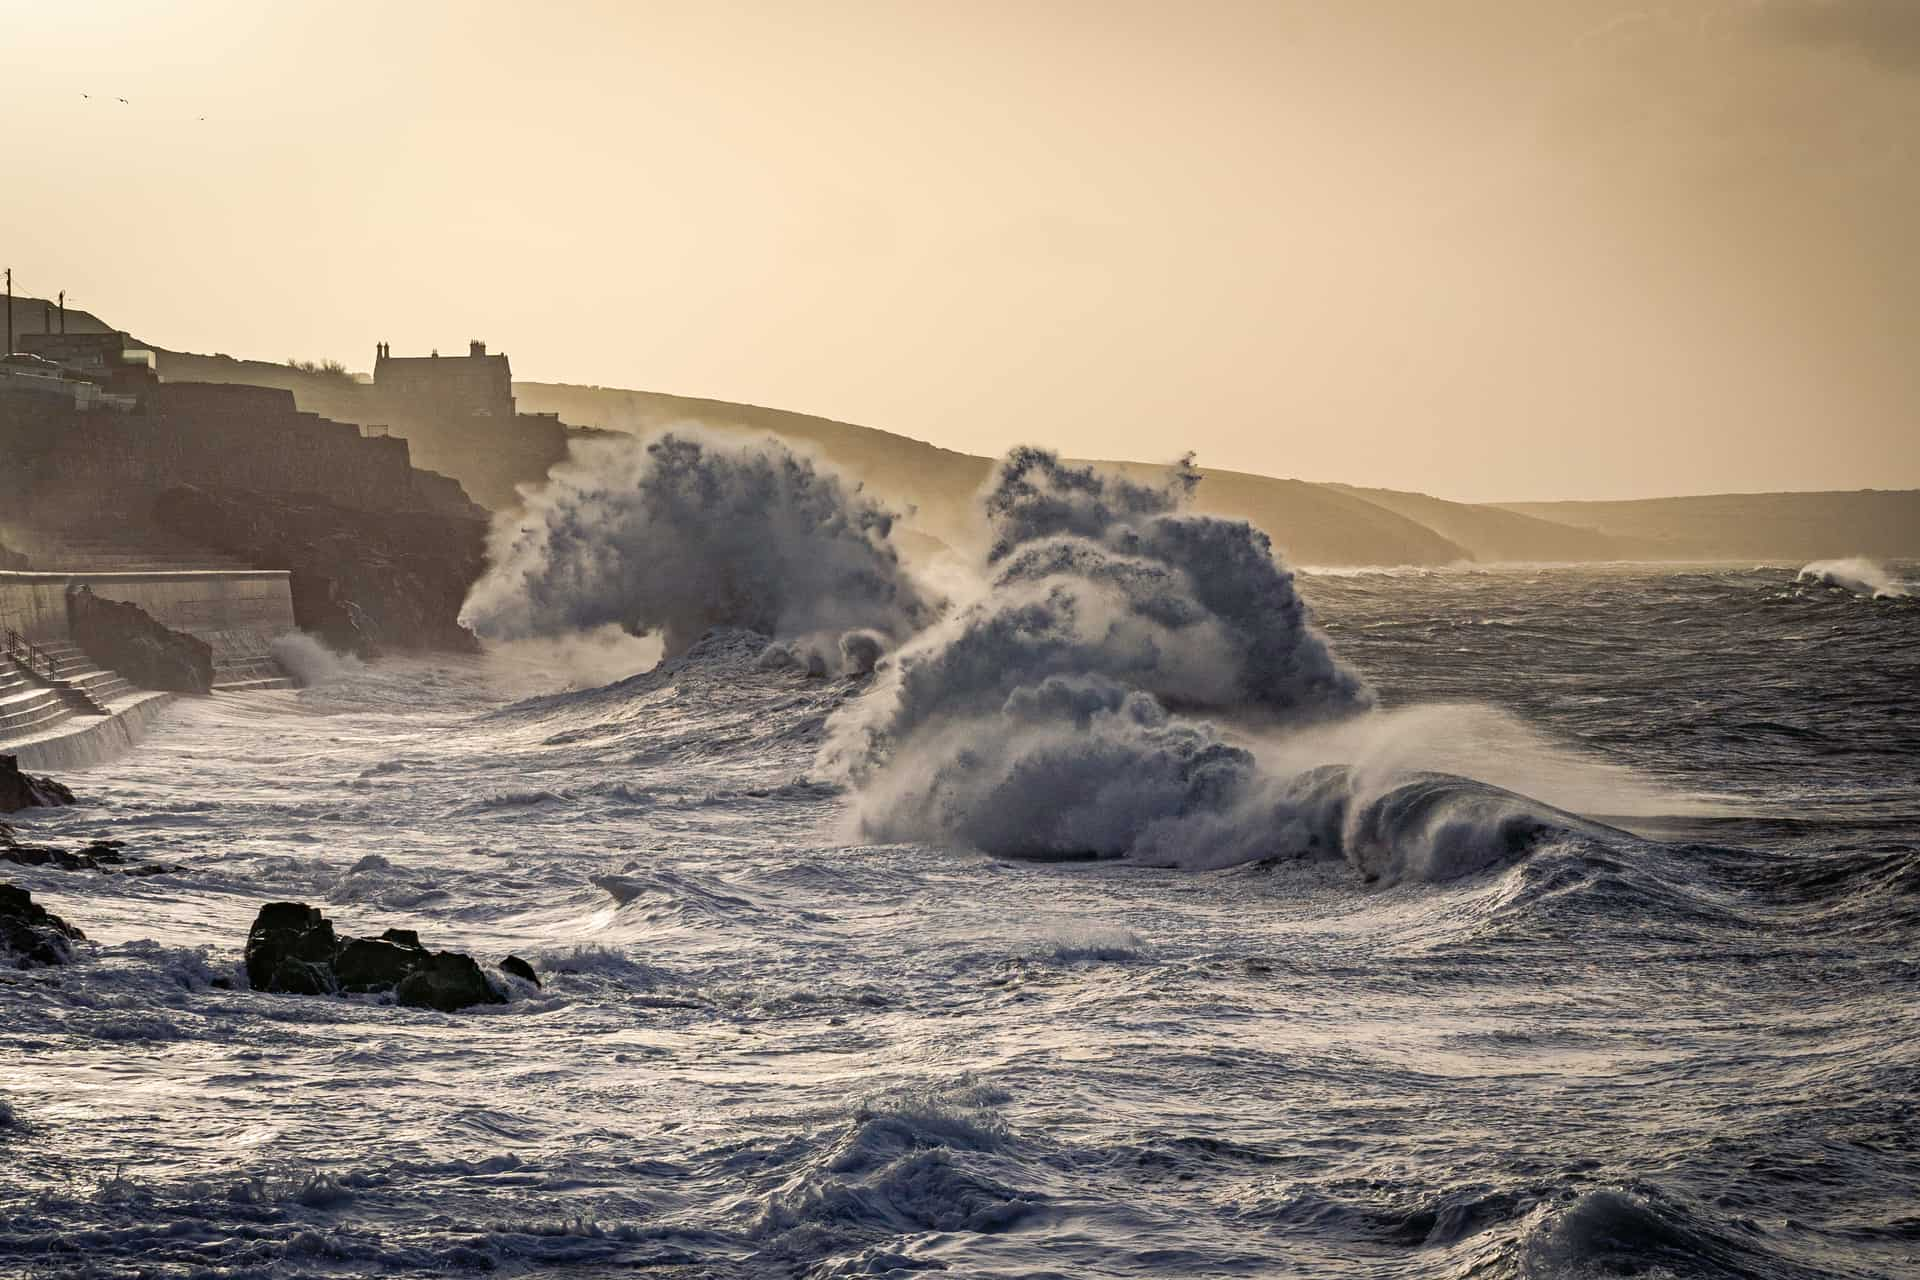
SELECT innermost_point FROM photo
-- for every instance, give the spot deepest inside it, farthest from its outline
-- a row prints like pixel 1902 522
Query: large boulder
pixel 31 935
pixel 24 791
pixel 446 980
pixel 292 948
pixel 125 638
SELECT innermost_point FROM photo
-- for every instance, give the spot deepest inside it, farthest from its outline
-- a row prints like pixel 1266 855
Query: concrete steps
pixel 27 706
pixel 78 672
pixel 261 685
pixel 241 673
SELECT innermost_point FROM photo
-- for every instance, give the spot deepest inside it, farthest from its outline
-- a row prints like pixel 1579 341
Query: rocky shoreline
pixel 291 949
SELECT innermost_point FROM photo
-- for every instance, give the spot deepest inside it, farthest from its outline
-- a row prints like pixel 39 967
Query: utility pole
pixel 9 350
pixel 63 312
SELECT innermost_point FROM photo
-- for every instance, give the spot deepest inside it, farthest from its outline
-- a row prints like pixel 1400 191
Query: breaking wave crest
pixel 1113 686
pixel 691 530
pixel 1859 575
pixel 1060 713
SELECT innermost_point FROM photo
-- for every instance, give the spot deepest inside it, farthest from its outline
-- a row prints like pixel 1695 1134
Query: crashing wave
pixel 1053 715
pixel 689 530
pixel 1857 574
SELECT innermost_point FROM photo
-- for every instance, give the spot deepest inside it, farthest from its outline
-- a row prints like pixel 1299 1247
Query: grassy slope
pixel 1805 526
pixel 1496 534
pixel 1314 524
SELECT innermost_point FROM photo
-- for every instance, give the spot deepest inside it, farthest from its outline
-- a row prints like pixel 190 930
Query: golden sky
pixel 1489 249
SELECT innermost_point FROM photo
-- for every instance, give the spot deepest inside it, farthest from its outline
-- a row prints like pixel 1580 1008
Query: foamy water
pixel 763 1049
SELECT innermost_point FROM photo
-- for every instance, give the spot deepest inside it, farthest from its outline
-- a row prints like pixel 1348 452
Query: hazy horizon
pixel 1585 251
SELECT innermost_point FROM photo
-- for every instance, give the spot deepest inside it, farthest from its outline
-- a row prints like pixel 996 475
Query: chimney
pixel 476 348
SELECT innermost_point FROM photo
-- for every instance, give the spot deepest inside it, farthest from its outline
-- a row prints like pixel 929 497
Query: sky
pixel 1482 249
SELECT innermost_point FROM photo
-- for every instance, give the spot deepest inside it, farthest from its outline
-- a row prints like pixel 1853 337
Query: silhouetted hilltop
pixel 1786 526
pixel 42 315
pixel 1496 534
pixel 1314 524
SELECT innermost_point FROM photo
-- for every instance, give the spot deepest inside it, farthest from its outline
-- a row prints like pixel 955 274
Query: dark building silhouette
pixel 476 384
pixel 93 370
pixel 81 352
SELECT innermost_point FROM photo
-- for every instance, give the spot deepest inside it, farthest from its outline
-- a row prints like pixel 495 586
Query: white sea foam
pixel 1859 575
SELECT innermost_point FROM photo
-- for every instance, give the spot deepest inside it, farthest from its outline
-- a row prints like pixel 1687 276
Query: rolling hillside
pixel 1314 524
pixel 1746 526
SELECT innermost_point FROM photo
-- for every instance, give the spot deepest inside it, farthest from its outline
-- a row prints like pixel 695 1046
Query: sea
pixel 1667 1026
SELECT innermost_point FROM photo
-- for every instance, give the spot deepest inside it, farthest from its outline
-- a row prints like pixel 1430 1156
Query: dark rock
pixel 292 948
pixel 31 935
pixel 447 981
pixel 364 582
pixel 103 856
pixel 520 969
pixel 125 638
pixel 38 855
pixel 373 964
pixel 287 942
pixel 24 791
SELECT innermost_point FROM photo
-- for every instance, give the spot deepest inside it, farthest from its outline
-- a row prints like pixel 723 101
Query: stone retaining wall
pixel 239 612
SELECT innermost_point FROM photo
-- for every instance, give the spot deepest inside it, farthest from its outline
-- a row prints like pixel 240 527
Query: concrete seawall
pixel 79 743
pixel 239 612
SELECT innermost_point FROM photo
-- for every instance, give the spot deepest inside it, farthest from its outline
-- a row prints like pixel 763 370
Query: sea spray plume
pixel 1033 495
pixel 1039 719
pixel 691 530
pixel 1857 574
pixel 310 662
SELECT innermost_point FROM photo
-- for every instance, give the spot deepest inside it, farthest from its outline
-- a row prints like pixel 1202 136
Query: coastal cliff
pixel 365 582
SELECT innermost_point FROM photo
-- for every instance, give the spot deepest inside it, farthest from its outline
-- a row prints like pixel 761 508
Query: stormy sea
pixel 1107 898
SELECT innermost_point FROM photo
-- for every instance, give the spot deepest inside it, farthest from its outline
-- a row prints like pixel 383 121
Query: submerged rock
pixel 31 935
pixel 103 856
pixel 24 791
pixel 520 969
pixel 292 948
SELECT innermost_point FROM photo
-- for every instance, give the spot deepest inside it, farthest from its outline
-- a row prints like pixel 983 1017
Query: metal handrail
pixel 26 653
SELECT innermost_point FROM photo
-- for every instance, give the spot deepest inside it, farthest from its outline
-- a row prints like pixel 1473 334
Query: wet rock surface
pixel 30 935
pixel 20 790
pixel 292 948
pixel 520 969
pixel 104 856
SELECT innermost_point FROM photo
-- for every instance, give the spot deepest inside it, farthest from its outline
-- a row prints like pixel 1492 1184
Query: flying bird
pixel 123 99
